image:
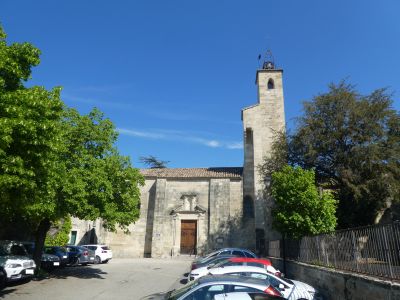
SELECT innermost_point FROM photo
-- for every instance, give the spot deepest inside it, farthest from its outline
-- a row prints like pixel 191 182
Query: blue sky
pixel 174 75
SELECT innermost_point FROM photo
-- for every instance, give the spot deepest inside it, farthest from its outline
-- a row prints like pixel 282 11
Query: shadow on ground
pixel 82 272
pixel 5 292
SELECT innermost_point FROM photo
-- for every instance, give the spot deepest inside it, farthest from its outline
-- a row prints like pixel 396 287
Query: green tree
pixel 300 209
pixel 353 143
pixel 29 137
pixel 54 162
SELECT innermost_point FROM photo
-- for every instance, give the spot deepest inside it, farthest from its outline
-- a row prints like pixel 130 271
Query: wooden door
pixel 188 236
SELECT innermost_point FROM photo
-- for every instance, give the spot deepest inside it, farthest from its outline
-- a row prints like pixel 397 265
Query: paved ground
pixel 119 279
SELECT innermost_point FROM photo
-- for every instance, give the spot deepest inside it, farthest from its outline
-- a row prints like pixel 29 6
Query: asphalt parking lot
pixel 119 279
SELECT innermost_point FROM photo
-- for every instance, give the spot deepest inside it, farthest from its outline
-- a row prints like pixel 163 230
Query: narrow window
pixel 248 209
pixel 271 84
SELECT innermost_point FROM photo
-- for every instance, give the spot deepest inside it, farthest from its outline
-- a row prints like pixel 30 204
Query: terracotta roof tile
pixel 228 172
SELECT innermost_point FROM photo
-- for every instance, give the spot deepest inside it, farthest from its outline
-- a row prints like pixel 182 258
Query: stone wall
pixel 217 209
pixel 339 285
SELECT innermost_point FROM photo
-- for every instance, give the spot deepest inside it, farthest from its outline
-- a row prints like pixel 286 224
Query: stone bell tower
pixel 260 123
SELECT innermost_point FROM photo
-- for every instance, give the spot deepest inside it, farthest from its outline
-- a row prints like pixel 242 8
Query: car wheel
pixel 97 260
pixel 84 264
pixel 75 261
pixel 106 261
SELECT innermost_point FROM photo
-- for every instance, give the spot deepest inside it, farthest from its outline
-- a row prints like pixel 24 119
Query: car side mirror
pixel 281 287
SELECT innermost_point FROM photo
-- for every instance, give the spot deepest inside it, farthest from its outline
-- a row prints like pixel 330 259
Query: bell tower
pixel 260 123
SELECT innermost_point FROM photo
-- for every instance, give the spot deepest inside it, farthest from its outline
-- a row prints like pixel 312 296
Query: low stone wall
pixel 340 285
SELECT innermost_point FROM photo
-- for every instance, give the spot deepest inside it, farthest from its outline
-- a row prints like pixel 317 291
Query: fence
pixel 372 250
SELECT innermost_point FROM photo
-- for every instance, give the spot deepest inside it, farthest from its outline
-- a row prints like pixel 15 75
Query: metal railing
pixel 371 250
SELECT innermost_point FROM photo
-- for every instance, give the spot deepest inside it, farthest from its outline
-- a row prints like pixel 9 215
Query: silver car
pixel 207 287
pixel 290 289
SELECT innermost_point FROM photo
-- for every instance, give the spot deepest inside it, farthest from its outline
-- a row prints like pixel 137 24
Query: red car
pixel 254 262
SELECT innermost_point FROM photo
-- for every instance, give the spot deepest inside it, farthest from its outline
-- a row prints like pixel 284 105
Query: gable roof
pixel 227 172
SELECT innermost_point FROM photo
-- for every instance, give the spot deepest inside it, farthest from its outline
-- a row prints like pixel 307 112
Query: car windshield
pixel 105 248
pixel 218 263
pixel 212 254
pixel 175 294
pixel 225 263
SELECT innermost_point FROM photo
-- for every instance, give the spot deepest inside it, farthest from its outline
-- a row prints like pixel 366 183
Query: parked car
pixel 210 261
pixel 3 277
pixel 79 255
pixel 14 261
pixel 47 261
pixel 229 251
pixel 61 252
pixel 103 253
pixel 290 289
pixel 245 296
pixel 235 261
pixel 207 287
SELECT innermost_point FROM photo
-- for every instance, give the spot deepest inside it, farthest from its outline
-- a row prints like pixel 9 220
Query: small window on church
pixel 248 209
pixel 249 136
pixel 271 84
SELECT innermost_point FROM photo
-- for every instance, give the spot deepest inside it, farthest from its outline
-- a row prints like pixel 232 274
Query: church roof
pixel 228 172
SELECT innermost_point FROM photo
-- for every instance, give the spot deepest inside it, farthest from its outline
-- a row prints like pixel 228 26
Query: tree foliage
pixel 300 209
pixel 62 229
pixel 153 162
pixel 54 162
pixel 353 143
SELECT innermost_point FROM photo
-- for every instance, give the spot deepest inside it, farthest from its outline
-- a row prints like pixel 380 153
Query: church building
pixel 195 210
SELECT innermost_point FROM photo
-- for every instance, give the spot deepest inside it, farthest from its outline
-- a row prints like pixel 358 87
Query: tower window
pixel 249 136
pixel 248 208
pixel 271 84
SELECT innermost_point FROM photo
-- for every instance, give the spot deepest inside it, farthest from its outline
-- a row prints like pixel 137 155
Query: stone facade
pixel 195 210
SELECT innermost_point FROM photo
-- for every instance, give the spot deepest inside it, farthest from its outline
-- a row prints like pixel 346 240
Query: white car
pixel 102 252
pixel 16 267
pixel 233 261
pixel 290 289
pixel 245 296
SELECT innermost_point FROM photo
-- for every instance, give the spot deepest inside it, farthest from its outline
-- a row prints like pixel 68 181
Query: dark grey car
pixel 228 251
pixel 208 286
pixel 79 255
pixel 47 261
pixel 210 261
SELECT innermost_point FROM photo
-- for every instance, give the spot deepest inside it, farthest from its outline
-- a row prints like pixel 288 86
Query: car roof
pixel 245 296
pixel 232 248
pixel 240 269
pixel 74 246
pixel 263 261
pixel 232 296
pixel 206 259
pixel 230 278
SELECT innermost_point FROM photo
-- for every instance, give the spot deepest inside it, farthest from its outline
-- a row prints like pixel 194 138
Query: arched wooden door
pixel 188 236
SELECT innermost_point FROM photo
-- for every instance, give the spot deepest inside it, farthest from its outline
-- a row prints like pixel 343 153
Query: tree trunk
pixel 380 213
pixel 284 253
pixel 40 237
